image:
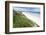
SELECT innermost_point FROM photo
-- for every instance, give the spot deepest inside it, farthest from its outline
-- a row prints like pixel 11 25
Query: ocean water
pixel 33 14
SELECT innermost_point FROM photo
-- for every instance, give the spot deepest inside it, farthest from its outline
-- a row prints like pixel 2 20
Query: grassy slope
pixel 22 21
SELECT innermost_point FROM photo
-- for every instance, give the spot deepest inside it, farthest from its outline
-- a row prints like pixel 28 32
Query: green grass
pixel 22 21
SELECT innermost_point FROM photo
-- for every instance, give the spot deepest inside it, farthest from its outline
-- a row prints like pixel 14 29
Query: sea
pixel 36 14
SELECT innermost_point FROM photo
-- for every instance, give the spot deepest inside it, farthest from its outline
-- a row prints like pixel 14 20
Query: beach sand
pixel 33 18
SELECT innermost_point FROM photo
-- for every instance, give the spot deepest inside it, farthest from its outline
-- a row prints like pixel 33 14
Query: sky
pixel 27 9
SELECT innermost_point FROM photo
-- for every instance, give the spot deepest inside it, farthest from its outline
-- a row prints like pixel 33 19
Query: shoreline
pixel 33 18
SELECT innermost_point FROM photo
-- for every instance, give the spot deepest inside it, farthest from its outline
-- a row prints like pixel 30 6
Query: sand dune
pixel 33 18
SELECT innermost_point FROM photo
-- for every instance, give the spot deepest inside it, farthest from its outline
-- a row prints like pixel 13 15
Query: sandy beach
pixel 33 18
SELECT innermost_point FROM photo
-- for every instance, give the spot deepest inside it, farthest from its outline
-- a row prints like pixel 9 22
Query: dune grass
pixel 21 21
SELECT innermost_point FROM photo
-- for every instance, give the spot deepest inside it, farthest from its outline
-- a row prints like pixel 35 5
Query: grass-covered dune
pixel 21 21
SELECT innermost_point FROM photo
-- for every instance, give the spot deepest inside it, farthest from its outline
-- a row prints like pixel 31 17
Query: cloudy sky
pixel 27 9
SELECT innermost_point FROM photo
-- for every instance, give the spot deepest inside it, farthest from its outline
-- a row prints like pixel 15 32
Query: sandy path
pixel 33 18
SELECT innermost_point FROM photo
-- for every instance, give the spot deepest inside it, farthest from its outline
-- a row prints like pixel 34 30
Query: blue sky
pixel 27 9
